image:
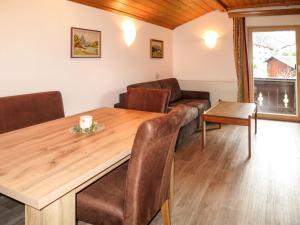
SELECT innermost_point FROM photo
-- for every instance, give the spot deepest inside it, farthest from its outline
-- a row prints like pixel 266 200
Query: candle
pixel 86 122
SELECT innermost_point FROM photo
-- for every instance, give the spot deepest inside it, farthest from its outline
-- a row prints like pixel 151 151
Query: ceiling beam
pixel 222 5
pixel 283 3
pixel 274 12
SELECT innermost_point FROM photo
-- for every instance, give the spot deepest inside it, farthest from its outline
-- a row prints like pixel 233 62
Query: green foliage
pixel 77 129
pixel 95 44
pixel 76 40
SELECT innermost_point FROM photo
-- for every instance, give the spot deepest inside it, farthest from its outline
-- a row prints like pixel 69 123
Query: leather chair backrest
pixel 26 110
pixel 149 169
pixel 172 85
pixel 149 84
pixel 148 99
pixel 169 83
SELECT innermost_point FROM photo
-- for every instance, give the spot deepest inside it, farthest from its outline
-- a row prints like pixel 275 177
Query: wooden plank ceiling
pixel 172 13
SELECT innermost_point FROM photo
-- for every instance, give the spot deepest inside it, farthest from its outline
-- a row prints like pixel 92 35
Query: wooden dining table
pixel 45 165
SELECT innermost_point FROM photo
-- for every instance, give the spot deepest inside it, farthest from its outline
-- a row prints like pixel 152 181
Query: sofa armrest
pixel 118 106
pixel 122 101
pixel 196 94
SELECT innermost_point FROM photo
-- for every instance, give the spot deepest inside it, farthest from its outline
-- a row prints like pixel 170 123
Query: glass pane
pixel 274 71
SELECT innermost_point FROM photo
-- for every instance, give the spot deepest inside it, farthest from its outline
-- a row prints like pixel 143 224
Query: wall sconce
pixel 210 39
pixel 129 32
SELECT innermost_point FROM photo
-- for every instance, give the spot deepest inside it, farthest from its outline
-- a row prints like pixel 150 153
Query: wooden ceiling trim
pixel 221 4
pixel 260 6
pixel 258 3
pixel 278 12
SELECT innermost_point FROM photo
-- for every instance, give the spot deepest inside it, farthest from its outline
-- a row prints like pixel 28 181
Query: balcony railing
pixel 275 95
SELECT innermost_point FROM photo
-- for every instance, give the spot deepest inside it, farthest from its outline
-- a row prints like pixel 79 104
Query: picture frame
pixel 156 49
pixel 85 43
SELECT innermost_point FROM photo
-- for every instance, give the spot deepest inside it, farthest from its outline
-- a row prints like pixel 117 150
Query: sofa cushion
pixel 26 110
pixel 150 84
pixel 191 113
pixel 201 104
pixel 173 86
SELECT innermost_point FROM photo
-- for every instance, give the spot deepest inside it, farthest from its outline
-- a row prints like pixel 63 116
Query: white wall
pixel 35 53
pixel 200 68
pixel 273 20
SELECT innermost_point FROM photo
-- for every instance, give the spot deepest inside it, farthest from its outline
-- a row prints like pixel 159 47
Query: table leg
pixel 203 132
pixel 249 137
pixel 256 119
pixel 172 180
pixel 60 212
pixel 165 211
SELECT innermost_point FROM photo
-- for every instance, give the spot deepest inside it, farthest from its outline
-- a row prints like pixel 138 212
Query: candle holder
pixel 92 129
pixel 86 125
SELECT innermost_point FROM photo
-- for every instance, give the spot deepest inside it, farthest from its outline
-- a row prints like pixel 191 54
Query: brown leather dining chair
pixel 134 192
pixel 26 110
pixel 147 99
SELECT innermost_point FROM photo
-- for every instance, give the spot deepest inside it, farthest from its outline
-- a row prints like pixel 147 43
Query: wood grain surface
pixel 42 163
pixel 219 186
pixel 173 13
pixel 232 110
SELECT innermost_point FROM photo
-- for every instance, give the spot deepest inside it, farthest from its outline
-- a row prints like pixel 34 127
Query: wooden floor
pixel 220 186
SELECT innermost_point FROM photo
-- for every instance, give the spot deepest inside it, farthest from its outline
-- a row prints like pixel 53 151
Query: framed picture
pixel 156 48
pixel 85 43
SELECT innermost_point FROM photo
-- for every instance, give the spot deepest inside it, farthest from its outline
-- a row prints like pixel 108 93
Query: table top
pixel 40 164
pixel 232 110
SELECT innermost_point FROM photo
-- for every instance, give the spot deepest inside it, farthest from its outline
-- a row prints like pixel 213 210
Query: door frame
pixel 270 116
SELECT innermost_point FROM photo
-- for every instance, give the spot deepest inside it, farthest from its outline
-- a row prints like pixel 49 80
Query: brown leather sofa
pixel 30 109
pixel 197 102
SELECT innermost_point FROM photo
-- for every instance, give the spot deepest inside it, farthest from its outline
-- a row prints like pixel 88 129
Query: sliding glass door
pixel 274 56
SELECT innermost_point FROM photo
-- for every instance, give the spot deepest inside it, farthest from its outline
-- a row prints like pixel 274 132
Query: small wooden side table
pixel 233 113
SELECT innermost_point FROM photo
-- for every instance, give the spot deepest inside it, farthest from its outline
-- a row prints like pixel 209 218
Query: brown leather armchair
pixel 26 110
pixel 133 193
pixel 151 100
